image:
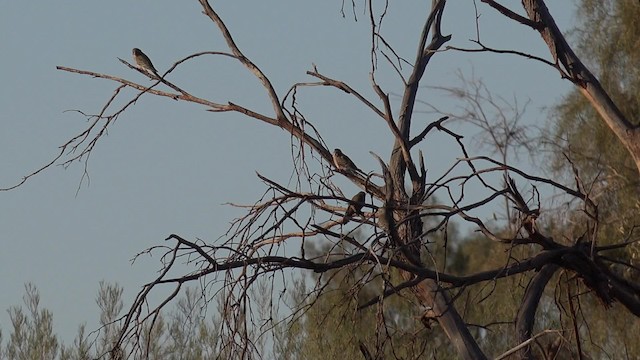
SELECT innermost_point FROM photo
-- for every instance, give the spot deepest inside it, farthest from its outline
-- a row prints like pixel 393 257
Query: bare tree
pixel 499 121
pixel 399 198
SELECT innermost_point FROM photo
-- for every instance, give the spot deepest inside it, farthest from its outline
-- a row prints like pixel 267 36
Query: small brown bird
pixel 383 216
pixel 342 162
pixel 144 62
pixel 356 204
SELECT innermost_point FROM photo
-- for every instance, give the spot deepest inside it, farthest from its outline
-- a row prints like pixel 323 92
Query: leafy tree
pixel 187 334
pixel 607 38
pixel 32 336
pixel 334 315
pixel 81 348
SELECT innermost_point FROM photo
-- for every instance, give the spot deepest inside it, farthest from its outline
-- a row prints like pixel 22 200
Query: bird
pixel 383 215
pixel 143 61
pixel 355 205
pixel 342 161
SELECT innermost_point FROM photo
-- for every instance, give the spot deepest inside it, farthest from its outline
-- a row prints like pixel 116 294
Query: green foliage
pixel 81 349
pixel 32 337
pixel 608 38
pixel 490 307
pixel 330 325
pixel 189 335
pixel 185 335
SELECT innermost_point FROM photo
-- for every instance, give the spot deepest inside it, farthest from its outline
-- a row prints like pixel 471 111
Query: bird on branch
pixel 146 66
pixel 384 219
pixel 343 163
pixel 355 206
pixel 144 63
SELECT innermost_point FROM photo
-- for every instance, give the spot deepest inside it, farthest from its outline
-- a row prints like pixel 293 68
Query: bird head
pixel 136 52
pixel 337 151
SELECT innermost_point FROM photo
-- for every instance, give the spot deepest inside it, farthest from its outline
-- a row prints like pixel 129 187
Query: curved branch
pixel 277 108
pixel 527 311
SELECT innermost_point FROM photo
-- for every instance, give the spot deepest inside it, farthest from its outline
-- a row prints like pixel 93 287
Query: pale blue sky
pixel 167 167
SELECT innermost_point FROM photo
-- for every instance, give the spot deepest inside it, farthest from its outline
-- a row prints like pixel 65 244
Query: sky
pixel 169 167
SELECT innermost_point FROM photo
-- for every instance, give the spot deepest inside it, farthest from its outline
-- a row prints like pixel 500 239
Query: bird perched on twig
pixel 144 63
pixel 342 162
pixel 355 206
pixel 384 218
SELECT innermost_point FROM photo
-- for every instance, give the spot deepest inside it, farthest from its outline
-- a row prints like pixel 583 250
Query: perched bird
pixel 342 161
pixel 383 216
pixel 355 206
pixel 144 62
